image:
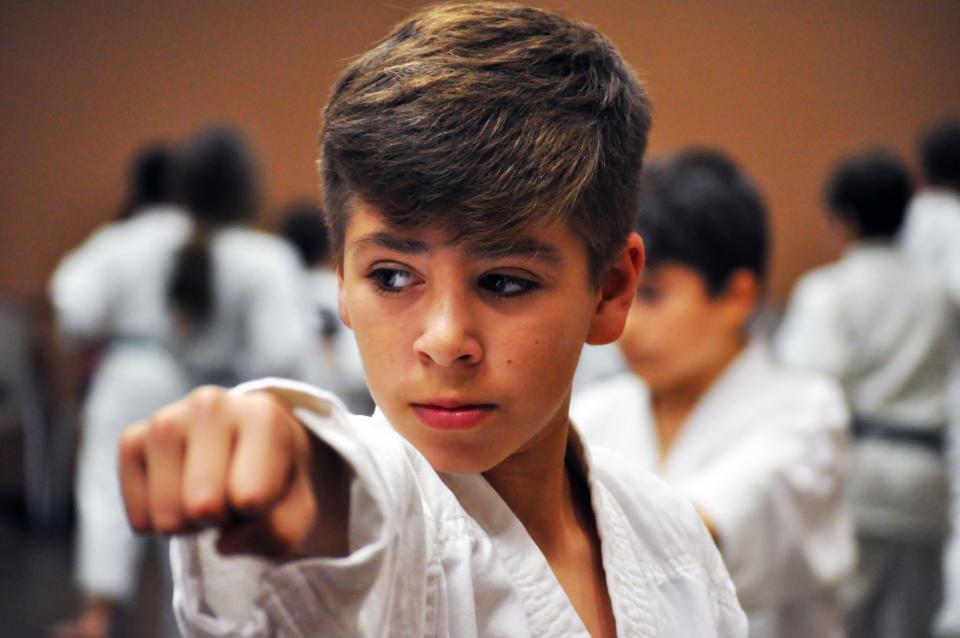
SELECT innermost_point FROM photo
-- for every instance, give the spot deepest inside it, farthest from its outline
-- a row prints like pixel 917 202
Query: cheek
pixel 379 341
pixel 656 337
pixel 634 328
pixel 541 351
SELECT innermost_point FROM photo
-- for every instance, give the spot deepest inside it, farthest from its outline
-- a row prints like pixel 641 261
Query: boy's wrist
pixel 329 478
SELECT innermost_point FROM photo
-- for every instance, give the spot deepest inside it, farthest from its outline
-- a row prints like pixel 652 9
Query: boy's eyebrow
pixel 524 247
pixel 382 239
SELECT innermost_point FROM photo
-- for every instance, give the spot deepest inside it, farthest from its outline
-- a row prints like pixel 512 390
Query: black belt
pixel 926 438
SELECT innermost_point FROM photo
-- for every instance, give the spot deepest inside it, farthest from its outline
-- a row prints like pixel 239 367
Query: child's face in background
pixel 469 355
pixel 677 335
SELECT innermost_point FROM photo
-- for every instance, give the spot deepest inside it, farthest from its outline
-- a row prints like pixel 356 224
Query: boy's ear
pixel 618 287
pixel 341 299
pixel 740 296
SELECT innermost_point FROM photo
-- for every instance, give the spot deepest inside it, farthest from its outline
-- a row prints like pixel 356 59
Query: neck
pixel 535 485
pixel 672 405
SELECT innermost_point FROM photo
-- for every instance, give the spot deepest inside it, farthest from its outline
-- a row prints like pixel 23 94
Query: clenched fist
pixel 240 463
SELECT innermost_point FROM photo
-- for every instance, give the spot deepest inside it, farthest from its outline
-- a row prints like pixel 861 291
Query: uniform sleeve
pixel 357 595
pixel 80 286
pixel 776 500
pixel 811 335
pixel 278 321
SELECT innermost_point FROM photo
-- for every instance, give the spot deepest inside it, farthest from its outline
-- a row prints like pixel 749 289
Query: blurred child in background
pixel 92 290
pixel 931 237
pixel 761 452
pixel 931 232
pixel 883 329
pixel 181 295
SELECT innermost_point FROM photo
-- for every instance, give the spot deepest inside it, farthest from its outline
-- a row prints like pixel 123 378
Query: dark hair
pixel 151 179
pixel 870 190
pixel 486 120
pixel 939 151
pixel 218 186
pixel 699 209
pixel 303 226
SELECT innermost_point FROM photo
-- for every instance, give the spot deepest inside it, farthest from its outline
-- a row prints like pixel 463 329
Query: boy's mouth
pixel 446 415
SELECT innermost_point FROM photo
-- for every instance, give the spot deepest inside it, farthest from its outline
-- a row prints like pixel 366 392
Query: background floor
pixel 36 579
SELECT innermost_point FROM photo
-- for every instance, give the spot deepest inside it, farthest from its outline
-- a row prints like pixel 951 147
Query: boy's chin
pixel 445 462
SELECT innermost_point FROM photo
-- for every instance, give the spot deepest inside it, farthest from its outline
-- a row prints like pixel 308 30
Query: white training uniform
pixel 763 457
pixel 930 236
pixel 442 555
pixel 332 361
pixel 113 288
pixel 883 329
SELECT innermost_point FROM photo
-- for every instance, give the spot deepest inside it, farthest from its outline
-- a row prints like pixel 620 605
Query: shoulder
pixel 820 285
pixel 666 535
pixel 804 396
pixel 787 383
pixel 158 222
pixel 263 254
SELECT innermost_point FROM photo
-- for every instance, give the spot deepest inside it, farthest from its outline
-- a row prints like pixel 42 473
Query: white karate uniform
pixel 113 287
pixel 442 555
pixel 883 328
pixel 931 236
pixel 763 456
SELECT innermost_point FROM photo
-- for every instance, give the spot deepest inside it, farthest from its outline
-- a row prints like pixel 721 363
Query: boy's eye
pixel 507 285
pixel 393 280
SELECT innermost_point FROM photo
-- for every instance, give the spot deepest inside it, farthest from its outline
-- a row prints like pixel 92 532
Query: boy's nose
pixel 448 336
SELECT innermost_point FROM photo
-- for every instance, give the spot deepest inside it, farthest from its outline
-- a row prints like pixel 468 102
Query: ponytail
pixel 190 289
pixel 218 187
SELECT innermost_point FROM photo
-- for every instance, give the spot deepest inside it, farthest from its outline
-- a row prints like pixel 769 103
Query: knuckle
pixel 165 427
pixel 203 507
pixel 131 439
pixel 269 415
pixel 207 400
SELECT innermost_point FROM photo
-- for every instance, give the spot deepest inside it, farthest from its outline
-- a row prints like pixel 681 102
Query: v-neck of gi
pixel 549 609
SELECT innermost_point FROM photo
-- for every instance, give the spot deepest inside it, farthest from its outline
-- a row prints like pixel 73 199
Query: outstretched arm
pixel 240 463
pixel 325 508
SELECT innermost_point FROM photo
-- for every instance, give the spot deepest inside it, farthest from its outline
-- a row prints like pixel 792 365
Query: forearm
pixel 364 499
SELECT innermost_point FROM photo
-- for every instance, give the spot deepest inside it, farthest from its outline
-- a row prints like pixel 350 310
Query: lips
pixel 447 415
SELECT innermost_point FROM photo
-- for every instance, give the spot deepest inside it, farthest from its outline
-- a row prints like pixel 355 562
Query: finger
pixel 281 533
pixel 131 464
pixel 165 442
pixel 207 458
pixel 264 454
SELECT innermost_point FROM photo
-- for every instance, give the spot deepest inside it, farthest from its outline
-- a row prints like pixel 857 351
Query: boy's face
pixel 469 354
pixel 677 335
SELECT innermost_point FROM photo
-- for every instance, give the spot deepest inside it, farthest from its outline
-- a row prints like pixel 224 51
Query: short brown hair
pixel 487 119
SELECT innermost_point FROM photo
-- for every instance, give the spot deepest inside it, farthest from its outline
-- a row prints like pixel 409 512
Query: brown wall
pixel 785 86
